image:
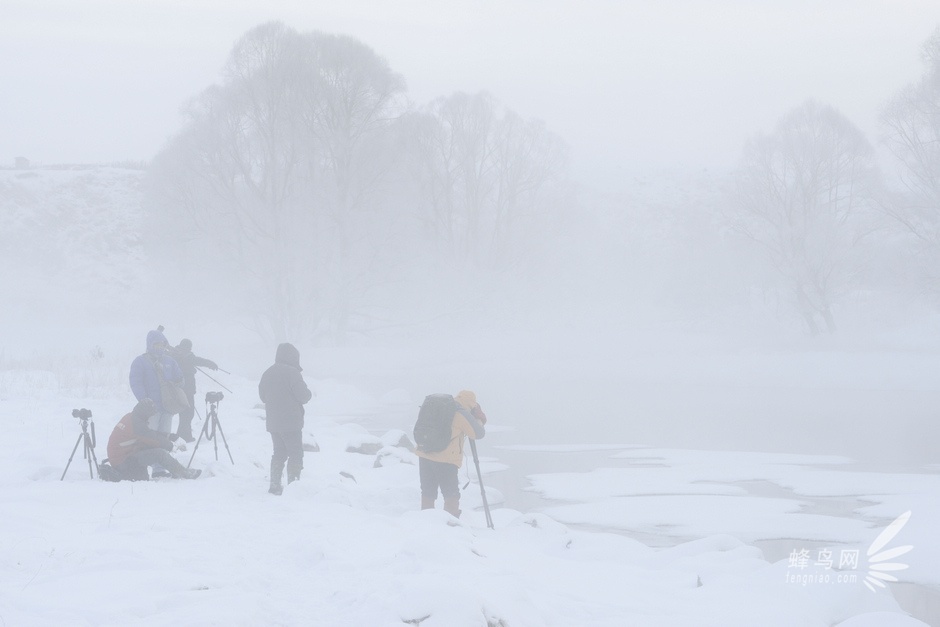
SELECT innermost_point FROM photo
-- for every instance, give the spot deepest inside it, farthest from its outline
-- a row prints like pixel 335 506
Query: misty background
pixel 724 236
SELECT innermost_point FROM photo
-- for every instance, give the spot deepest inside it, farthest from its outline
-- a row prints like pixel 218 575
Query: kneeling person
pixel 134 446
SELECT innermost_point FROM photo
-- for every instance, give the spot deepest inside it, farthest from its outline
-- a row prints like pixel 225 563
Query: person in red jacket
pixel 133 446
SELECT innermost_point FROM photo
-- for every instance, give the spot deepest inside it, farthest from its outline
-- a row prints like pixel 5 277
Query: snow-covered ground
pixel 627 536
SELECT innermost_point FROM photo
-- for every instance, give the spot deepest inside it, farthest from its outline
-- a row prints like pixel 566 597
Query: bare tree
pixel 361 100
pixel 353 120
pixel 804 194
pixel 272 163
pixel 529 165
pixel 911 125
pixel 293 172
pixel 483 171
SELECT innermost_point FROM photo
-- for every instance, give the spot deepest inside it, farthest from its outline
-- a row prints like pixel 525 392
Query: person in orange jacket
pixel 438 471
pixel 133 446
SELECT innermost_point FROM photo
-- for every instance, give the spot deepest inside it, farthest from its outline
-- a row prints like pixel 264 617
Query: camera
pixel 82 413
pixel 214 397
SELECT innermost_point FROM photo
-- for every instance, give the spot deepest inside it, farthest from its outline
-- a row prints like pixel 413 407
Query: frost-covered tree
pixel 71 239
pixel 804 194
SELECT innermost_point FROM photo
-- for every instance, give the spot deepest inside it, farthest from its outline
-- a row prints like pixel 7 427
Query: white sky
pixel 627 83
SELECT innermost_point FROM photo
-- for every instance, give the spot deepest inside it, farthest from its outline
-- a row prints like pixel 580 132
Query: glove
pixel 178 443
pixel 477 413
pixel 213 365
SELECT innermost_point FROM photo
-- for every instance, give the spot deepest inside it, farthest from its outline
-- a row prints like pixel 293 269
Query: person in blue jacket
pixel 146 384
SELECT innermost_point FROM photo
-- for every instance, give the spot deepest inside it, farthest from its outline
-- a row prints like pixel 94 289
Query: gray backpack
pixel 435 420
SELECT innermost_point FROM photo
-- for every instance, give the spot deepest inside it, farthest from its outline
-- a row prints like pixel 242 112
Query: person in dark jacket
pixel 134 446
pixel 188 362
pixel 284 393
pixel 145 381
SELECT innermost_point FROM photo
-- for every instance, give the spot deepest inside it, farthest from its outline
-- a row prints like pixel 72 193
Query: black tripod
pixel 486 506
pixel 84 416
pixel 209 426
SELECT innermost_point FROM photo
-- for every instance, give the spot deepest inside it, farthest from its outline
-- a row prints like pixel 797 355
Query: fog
pixel 627 84
pixel 564 210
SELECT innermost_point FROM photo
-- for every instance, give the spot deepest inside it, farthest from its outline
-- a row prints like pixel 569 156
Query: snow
pixel 347 544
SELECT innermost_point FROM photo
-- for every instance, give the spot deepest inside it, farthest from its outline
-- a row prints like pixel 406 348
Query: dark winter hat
pixel 288 354
pixel 155 336
pixel 186 344
pixel 145 408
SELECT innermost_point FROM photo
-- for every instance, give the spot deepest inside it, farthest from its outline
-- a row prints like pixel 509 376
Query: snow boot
pixel 427 502
pixel 277 468
pixel 293 474
pixel 452 506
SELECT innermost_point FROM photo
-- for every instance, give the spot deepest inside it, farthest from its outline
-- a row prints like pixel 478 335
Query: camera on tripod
pixel 87 436
pixel 211 425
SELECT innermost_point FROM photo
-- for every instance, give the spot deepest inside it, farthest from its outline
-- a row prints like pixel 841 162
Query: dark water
pixel 875 408
pixel 870 426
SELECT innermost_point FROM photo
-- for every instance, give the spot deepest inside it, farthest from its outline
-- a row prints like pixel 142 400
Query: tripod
pixel 84 416
pixel 486 506
pixel 209 426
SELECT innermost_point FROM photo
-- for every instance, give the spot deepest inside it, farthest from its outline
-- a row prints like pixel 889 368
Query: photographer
pixel 188 362
pixel 134 446
pixel 438 470
pixel 145 374
pixel 283 391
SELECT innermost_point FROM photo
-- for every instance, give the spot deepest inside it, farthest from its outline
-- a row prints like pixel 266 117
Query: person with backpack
pixel 444 423
pixel 153 374
pixel 188 363
pixel 134 446
pixel 284 393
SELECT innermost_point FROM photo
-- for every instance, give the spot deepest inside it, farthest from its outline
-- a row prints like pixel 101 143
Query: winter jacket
pixel 188 361
pixel 283 391
pixel 468 423
pixel 132 434
pixel 143 376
